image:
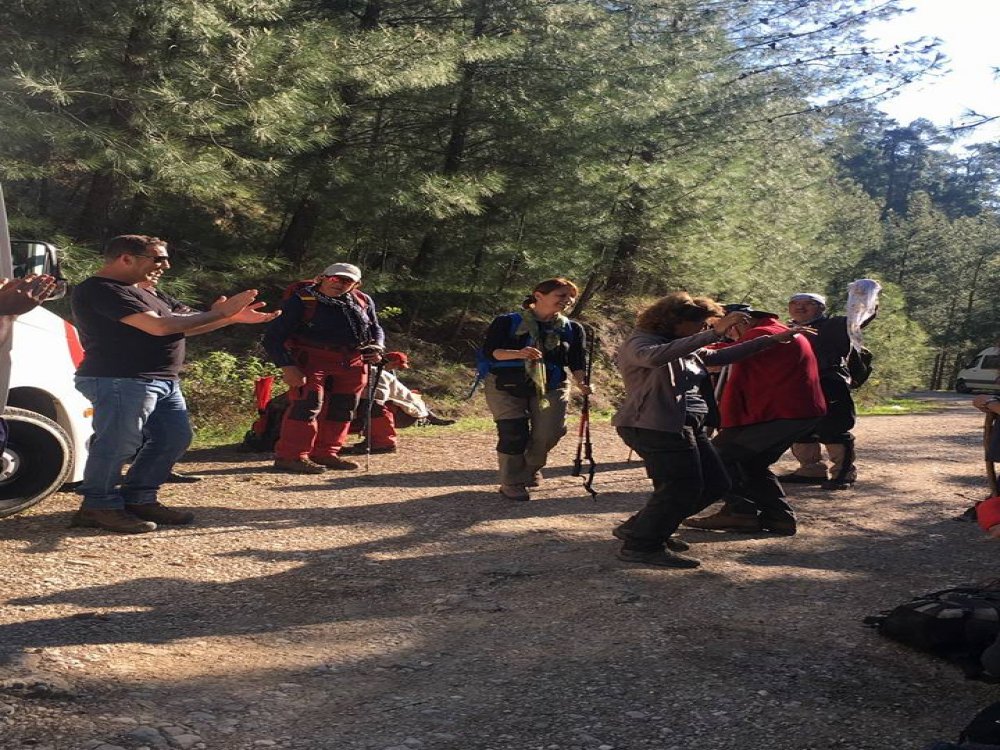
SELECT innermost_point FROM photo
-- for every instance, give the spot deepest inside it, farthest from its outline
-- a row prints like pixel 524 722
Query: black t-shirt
pixel 117 350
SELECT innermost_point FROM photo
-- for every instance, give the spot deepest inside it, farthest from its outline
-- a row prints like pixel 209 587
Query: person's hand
pixel 231 306
pixel 793 330
pixel 252 315
pixel 585 389
pixel 982 402
pixel 23 295
pixel 723 325
pixel 293 377
pixel 529 352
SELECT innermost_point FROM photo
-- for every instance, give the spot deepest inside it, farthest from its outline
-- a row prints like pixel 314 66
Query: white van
pixel 48 420
pixel 981 373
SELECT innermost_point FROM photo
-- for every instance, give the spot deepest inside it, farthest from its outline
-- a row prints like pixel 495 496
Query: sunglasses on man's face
pixel 345 279
pixel 157 259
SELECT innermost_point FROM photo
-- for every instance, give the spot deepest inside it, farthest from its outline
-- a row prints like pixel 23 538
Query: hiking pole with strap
pixel 584 445
pixel 989 425
pixel 372 385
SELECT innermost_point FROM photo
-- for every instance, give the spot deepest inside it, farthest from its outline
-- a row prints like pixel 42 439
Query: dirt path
pixel 413 608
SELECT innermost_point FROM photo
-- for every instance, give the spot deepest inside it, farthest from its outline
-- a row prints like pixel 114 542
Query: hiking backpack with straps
pixel 958 624
pixel 301 289
pixel 484 365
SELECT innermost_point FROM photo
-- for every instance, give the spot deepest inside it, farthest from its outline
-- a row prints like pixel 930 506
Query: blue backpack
pixel 484 364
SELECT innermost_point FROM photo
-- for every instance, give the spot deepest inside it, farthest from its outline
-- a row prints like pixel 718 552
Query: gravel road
pixel 412 607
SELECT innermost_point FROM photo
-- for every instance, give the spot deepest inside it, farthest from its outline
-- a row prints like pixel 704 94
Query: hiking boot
pixel 437 421
pixel 335 462
pixel 111 519
pixel 660 557
pixel 160 514
pixel 514 492
pixel 360 449
pixel 298 466
pixel 177 478
pixel 673 544
pixel 536 479
pixel 723 521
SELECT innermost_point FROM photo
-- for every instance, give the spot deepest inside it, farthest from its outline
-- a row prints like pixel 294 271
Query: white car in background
pixel 981 373
pixel 48 420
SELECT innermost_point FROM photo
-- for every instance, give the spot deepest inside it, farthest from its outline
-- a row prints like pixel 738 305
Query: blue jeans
pixel 135 419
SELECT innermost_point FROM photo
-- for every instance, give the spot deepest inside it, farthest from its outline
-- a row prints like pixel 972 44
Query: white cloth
pixel 390 390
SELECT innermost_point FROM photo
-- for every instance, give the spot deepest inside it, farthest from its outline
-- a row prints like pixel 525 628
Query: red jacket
pixel 781 382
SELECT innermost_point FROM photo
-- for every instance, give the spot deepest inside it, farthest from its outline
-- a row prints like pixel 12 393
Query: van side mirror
pixel 30 257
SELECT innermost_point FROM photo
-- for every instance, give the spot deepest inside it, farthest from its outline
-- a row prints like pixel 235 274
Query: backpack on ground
pixel 859 366
pixel 959 624
pixel 484 365
pixel 264 432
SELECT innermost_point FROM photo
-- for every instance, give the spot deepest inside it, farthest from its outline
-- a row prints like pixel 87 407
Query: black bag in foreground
pixel 957 624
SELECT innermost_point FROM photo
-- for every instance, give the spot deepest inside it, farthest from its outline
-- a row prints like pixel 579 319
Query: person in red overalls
pixel 325 341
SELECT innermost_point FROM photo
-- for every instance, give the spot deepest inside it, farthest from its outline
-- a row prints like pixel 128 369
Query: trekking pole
pixel 989 425
pixel 372 385
pixel 584 446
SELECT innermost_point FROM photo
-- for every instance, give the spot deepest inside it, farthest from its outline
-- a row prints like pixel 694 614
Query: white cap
pixel 808 297
pixel 343 269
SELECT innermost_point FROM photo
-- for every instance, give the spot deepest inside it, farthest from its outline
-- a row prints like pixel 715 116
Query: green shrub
pixel 219 389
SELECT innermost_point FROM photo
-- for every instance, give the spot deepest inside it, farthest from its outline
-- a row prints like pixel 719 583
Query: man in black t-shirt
pixel 133 345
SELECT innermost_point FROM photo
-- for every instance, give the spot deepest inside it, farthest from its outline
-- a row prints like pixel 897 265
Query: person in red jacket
pixel 767 403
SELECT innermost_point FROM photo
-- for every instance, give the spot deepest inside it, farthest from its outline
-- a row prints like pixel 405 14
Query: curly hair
pixel 662 316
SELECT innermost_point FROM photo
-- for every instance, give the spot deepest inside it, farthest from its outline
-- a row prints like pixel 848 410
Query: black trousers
pixel 747 452
pixel 841 415
pixel 687 477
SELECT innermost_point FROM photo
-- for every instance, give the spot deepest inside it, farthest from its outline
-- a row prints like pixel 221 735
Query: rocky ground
pixel 412 607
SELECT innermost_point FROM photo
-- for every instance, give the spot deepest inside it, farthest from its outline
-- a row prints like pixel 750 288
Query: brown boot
pixel 160 514
pixel 111 519
pixel 514 492
pixel 724 521
pixel 298 466
pixel 335 462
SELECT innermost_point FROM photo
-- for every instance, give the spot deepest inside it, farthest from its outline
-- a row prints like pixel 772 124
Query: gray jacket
pixel 652 366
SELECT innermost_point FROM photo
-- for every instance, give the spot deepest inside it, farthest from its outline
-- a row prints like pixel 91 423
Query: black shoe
pixel 437 421
pixel 673 543
pixel 176 478
pixel 160 514
pixel 660 557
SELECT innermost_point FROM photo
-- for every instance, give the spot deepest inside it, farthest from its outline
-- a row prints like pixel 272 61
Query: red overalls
pixel 320 412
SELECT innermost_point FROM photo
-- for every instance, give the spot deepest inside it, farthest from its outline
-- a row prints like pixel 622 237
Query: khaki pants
pixel 528 428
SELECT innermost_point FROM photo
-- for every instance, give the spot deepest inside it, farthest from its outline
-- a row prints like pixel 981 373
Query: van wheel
pixel 962 387
pixel 37 460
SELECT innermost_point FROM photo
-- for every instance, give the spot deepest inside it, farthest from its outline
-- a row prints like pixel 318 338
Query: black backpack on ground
pixel 959 624
pixel 266 428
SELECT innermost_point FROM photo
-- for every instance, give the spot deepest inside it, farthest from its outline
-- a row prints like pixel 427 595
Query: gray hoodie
pixel 651 366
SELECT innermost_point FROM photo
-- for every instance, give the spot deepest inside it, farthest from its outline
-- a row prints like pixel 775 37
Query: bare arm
pixel 168 325
pixel 250 314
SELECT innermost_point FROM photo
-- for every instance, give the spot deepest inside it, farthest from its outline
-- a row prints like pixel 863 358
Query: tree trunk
pixel 454 152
